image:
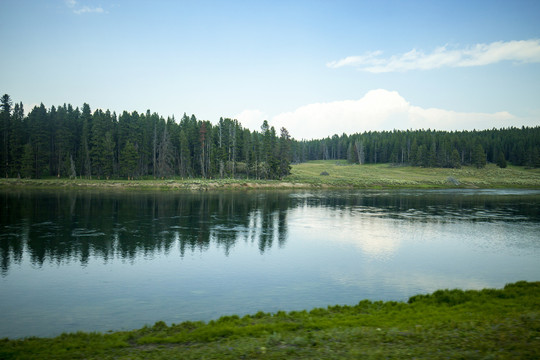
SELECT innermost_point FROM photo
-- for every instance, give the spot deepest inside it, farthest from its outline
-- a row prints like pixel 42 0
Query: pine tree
pixel 501 160
pixel 86 168
pixel 16 140
pixel 165 154
pixel 61 161
pixel 97 148
pixel 479 156
pixel 5 118
pixel 270 168
pixel 284 153
pixel 128 160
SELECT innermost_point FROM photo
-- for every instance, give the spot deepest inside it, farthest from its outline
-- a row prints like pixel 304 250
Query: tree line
pixel 70 142
pixel 428 148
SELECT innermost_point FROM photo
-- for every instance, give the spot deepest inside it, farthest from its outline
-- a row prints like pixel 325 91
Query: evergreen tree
pixel 5 130
pixel 100 156
pixel 71 135
pixel 128 159
pixel 165 154
pixel 61 139
pixel 16 140
pixel 284 153
pixel 270 166
pixel 86 168
pixel 501 160
pixel 479 156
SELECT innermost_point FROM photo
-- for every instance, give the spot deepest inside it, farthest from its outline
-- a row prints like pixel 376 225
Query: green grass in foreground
pixel 308 175
pixel 486 324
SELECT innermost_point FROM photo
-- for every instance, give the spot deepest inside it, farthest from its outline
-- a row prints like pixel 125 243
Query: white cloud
pixel 77 9
pixel 524 51
pixel 369 58
pixel 376 111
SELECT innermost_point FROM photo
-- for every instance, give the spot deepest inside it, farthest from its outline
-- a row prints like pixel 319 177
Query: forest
pixel 64 141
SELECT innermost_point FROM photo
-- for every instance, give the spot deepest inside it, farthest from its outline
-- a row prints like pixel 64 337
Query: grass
pixel 308 175
pixel 342 174
pixel 140 184
pixel 485 324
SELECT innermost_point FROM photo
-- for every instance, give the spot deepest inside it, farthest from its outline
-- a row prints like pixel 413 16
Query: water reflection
pixel 65 226
pixel 74 226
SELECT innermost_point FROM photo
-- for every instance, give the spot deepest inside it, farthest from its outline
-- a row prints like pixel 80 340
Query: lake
pixel 97 261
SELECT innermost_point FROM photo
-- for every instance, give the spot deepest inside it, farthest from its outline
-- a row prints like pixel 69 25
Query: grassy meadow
pixel 343 174
pixel 340 174
pixel 448 324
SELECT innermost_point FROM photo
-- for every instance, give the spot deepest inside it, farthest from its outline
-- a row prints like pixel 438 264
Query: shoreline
pixel 190 186
pixel 337 175
pixel 501 323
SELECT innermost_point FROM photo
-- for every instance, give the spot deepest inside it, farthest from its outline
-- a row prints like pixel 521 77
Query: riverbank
pixel 490 323
pixel 322 174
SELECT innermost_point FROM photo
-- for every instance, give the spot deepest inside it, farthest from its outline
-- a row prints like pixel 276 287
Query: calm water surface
pixel 82 260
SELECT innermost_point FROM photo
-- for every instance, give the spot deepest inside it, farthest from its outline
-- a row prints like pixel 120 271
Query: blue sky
pixel 315 67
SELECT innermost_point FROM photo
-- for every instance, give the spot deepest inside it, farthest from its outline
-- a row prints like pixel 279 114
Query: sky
pixel 317 68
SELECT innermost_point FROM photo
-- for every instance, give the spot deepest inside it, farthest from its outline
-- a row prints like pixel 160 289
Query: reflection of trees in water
pixel 70 226
pixel 62 227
